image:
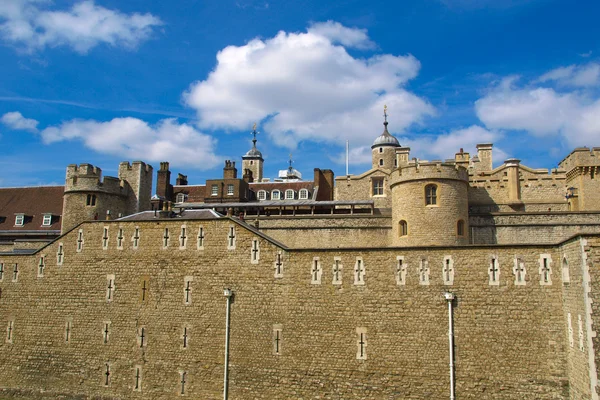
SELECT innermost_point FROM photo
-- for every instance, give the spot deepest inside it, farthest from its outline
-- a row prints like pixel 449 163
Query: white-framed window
pixel 377 186
pixel 303 194
pixel 181 197
pixel 19 219
pixel 275 195
pixel 230 189
pixel 214 190
pixel 262 195
pixel 289 194
pixel 47 220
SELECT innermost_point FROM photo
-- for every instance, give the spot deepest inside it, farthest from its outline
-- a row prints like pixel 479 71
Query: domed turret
pixel 384 147
pixel 253 159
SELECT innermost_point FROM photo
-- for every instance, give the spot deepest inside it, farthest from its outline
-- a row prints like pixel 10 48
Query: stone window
pixel 303 194
pixel 278 265
pixel 431 195
pixel 214 190
pixel 183 237
pixel 15 272
pixel 275 195
pixel 381 162
pixel 47 220
pixel 316 271
pixel 460 228
pixel 90 200
pixel 1 271
pixel 185 337
pixel 520 272
pixel 494 272
pixel 377 186
pixel 106 374
pixel 403 228
pixel 105 331
pixel 231 238
pixel 424 272
pixel 120 239
pixel 80 241
pixel 395 162
pixel 144 288
pixel 229 189
pixel 359 271
pixel 182 381
pixel 10 331
pixel 181 197
pixel 570 330
pixel 19 219
pixel 105 238
pixel 255 252
pixel 110 287
pixel 166 238
pixel 142 337
pixel 262 195
pixel 137 387
pixel 289 194
pixel 337 271
pixel 41 266
pixel 545 270
pixel 580 323
pixel 381 149
pixel 187 290
pixel 59 254
pixel 566 276
pixel 68 330
pixel 200 238
pixel 400 271
pixel 277 339
pixel 448 270
pixel 361 343
pixel 136 237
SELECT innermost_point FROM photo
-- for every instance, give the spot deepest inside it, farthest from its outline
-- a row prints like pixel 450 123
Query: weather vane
pixel 385 112
pixel 254 133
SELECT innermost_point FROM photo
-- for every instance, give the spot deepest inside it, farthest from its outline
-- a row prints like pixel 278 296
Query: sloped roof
pixel 34 202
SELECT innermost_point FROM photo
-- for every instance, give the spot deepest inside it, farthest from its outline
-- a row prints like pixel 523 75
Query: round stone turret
pixel 430 205
pixel 253 160
pixel 383 150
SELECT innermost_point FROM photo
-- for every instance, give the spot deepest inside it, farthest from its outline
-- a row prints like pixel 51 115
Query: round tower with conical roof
pixel 253 159
pixel 384 147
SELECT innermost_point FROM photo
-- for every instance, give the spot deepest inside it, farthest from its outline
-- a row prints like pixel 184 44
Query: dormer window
pixel 47 221
pixel 262 195
pixel 289 194
pixel 303 194
pixel 181 198
pixel 19 219
pixel 275 195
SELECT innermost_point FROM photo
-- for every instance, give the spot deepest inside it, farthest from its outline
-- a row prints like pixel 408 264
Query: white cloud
pixel 574 75
pixel 133 138
pixel 304 86
pixel 541 112
pixel 15 120
pixel 24 23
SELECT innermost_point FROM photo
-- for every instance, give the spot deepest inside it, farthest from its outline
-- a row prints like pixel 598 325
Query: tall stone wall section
pixel 138 176
pixel 511 340
pixel 360 187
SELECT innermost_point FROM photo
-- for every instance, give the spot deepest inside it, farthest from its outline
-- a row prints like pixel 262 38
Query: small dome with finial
pixel 385 139
pixel 253 152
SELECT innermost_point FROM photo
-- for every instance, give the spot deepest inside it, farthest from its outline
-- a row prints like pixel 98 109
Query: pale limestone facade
pixel 330 306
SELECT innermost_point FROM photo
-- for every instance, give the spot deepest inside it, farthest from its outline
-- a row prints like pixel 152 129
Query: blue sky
pixel 106 81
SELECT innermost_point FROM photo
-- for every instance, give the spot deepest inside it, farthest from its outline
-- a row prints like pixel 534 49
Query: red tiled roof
pixel 34 202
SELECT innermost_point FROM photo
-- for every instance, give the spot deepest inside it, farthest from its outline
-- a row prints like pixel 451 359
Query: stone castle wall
pixel 511 338
pixel 361 188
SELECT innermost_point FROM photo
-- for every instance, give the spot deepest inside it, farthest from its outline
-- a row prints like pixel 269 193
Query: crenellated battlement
pixel 88 178
pixel 416 170
pixel 581 157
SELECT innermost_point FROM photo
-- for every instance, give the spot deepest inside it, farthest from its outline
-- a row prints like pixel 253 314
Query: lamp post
pixel 228 293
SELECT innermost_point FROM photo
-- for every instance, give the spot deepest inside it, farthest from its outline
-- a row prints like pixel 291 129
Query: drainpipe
pixel 450 298
pixel 228 294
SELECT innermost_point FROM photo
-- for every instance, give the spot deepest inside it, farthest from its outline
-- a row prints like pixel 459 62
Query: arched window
pixel 460 228
pixel 262 195
pixel 276 195
pixel 431 195
pixel 381 149
pixel 381 162
pixel 90 200
pixel 403 228
pixel 289 194
pixel 181 197
pixel 303 194
pixel 395 162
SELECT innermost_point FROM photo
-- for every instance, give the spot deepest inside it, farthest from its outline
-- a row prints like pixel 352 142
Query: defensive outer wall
pixel 377 330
